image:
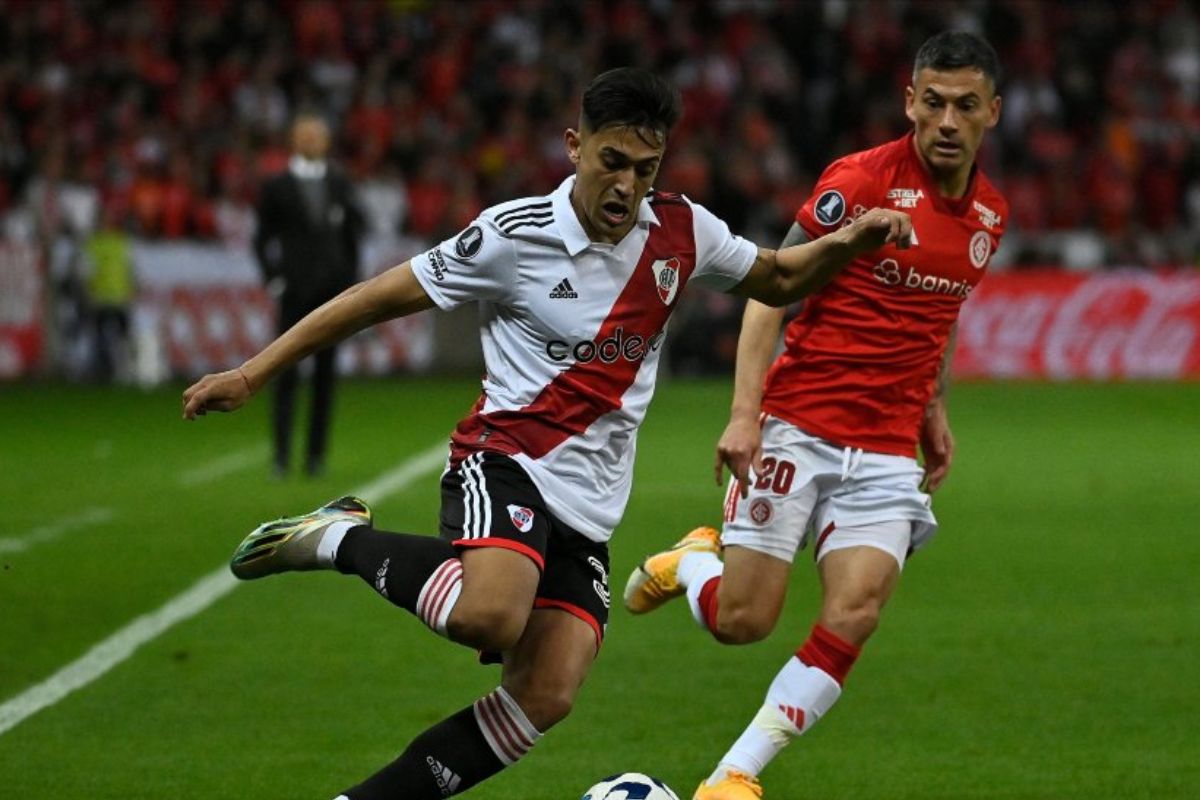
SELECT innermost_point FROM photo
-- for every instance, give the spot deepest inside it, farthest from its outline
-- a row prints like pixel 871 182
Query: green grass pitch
pixel 1046 645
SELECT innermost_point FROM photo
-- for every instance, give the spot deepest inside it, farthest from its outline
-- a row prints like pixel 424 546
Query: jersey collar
pixel 573 235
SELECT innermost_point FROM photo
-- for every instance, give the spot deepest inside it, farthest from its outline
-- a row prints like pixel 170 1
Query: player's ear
pixel 573 142
pixel 995 109
pixel 910 96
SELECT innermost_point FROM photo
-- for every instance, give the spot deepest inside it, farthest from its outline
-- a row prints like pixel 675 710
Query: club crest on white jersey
pixel 666 279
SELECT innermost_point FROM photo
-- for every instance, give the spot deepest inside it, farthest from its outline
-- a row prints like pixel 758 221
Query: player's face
pixel 951 111
pixel 614 168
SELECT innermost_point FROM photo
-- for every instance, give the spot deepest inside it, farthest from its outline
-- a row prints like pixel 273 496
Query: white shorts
pixel 836 497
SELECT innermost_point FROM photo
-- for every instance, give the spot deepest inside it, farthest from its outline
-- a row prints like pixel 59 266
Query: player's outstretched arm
pixel 392 294
pixel 780 277
pixel 740 446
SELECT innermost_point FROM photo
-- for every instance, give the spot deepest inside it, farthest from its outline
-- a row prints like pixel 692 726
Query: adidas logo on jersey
pixel 564 291
pixel 447 781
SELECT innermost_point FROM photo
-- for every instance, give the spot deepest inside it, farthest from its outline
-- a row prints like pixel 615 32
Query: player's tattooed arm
pixel 392 294
pixel 780 277
pixel 795 235
pixel 942 387
pixel 937 440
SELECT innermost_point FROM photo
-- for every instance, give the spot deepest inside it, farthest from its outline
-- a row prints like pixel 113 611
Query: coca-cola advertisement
pixel 1067 326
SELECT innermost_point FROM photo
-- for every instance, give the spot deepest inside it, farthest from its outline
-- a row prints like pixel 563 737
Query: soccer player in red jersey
pixel 823 445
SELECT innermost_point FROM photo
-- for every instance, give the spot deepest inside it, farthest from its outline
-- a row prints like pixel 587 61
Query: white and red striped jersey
pixel 572 332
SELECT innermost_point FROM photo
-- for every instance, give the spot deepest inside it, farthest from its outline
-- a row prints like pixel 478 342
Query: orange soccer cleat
pixel 656 579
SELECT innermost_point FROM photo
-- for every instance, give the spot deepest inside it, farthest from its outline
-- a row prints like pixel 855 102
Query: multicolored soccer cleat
pixel 656 580
pixel 290 543
pixel 734 786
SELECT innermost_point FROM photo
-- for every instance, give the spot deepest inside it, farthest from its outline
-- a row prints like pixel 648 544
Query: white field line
pixel 206 591
pixel 55 529
pixel 403 475
pixel 225 465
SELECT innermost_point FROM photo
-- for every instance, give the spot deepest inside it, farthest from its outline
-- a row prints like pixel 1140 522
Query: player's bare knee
pixel 742 625
pixel 854 621
pixel 545 705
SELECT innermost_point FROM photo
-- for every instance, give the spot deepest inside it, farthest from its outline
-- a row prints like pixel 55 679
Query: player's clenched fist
pixel 878 227
pixel 221 391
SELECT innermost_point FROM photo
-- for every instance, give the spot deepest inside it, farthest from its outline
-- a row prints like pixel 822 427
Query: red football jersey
pixel 862 358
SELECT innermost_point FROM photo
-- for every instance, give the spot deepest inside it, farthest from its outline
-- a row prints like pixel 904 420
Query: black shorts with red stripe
pixel 488 500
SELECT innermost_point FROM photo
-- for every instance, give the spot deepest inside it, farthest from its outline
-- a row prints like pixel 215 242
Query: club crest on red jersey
pixel 666 278
pixel 981 249
pixel 522 517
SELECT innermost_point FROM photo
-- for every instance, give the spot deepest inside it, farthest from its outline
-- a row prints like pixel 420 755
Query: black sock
pixel 396 565
pixel 445 760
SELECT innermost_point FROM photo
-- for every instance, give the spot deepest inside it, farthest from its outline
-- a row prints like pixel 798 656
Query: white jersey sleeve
pixel 478 264
pixel 722 258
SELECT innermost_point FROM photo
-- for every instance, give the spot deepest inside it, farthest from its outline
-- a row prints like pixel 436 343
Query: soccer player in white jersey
pixel 575 290
pixel 833 429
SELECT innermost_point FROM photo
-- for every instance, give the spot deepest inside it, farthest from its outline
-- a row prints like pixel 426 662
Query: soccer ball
pixel 630 786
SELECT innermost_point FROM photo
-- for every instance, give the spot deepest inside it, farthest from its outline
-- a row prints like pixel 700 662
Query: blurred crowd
pixel 162 117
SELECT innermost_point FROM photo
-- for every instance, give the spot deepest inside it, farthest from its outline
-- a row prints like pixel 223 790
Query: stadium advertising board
pixel 1078 326
pixel 204 308
pixel 20 309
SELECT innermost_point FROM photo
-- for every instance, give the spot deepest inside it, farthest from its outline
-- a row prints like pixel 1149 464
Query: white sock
pixel 692 563
pixel 768 733
pixel 799 696
pixel 330 540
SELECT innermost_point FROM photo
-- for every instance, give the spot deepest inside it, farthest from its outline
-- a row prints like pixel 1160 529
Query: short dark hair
pixel 951 50
pixel 628 96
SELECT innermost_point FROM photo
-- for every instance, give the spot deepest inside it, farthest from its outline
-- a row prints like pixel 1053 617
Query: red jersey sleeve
pixel 844 191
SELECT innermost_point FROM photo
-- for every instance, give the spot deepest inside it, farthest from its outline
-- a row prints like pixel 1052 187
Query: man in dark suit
pixel 307 247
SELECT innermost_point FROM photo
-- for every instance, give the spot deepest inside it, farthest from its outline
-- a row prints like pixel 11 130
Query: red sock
pixel 708 602
pixel 826 651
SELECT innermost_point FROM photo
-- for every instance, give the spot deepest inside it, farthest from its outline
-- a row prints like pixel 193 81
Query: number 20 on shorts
pixel 777 475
